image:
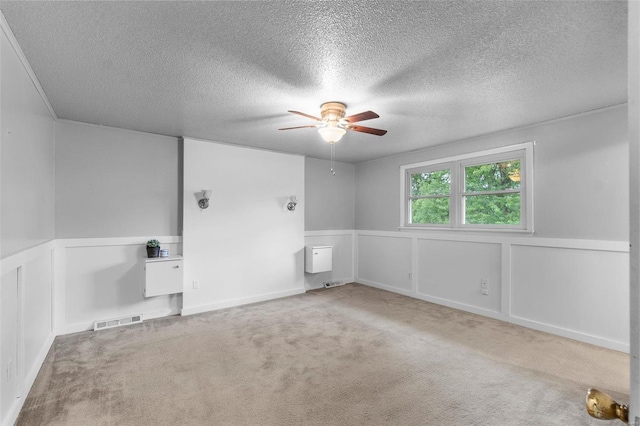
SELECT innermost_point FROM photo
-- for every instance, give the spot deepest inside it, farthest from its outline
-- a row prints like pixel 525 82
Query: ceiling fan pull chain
pixel 333 157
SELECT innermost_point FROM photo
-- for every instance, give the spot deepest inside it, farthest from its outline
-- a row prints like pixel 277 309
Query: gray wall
pixel 115 183
pixel 27 165
pixel 330 202
pixel 580 177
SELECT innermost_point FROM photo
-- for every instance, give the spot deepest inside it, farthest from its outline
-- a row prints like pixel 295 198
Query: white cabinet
pixel 318 259
pixel 163 275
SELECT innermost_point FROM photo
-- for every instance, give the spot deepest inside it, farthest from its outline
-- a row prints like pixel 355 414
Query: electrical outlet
pixel 410 275
pixel 196 284
pixel 484 286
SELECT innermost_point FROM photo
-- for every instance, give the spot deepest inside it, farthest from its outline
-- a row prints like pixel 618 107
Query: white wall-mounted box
pixel 318 259
pixel 163 275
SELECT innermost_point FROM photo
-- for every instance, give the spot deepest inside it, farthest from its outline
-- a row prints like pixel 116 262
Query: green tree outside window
pixel 434 189
pixel 482 204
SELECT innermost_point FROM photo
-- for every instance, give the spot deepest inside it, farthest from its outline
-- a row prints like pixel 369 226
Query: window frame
pixel 457 194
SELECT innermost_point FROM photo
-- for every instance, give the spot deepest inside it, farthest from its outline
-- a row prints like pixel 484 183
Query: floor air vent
pixel 117 322
pixel 329 284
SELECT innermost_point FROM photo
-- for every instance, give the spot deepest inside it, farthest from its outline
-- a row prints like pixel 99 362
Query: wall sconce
pixel 204 201
pixel 291 205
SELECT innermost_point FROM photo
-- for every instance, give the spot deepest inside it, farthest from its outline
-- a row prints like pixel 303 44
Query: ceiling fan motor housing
pixel 332 111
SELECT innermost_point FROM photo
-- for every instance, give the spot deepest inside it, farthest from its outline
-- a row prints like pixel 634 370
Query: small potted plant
pixel 153 248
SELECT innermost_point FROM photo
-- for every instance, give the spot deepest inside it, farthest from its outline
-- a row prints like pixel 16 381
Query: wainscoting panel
pixel 26 324
pixel 385 261
pixel 453 270
pixel 104 279
pixel 585 291
pixel 573 288
pixel 36 306
pixel 9 333
pixel 343 268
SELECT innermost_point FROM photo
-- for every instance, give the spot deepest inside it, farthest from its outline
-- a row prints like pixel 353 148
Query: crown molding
pixel 25 63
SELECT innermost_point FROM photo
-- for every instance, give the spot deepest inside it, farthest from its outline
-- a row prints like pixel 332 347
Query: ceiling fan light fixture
pixel 334 124
pixel 331 134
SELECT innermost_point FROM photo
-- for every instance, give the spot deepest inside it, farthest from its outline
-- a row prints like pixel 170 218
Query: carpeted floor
pixel 350 355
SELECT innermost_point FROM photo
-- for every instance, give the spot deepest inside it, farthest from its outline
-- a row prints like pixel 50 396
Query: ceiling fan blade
pixel 305 115
pixel 297 127
pixel 369 130
pixel 367 115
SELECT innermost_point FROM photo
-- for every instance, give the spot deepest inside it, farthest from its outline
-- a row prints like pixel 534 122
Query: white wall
pixel 27 166
pixel 342 242
pixel 580 174
pixel 115 189
pixel 10 342
pixel 573 288
pixel 330 202
pixel 103 278
pixel 553 281
pixel 26 323
pixel 26 226
pixel 384 260
pixel 107 182
pixel 329 217
pixel 115 183
pixel 246 246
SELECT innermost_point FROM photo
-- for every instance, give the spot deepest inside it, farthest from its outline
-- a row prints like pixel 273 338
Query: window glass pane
pixel 492 177
pixel 430 210
pixel 503 209
pixel 431 183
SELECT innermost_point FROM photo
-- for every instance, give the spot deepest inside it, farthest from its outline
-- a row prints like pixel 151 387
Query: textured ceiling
pixel 435 72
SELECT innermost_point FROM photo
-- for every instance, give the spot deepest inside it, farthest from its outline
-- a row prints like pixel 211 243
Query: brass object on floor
pixel 602 406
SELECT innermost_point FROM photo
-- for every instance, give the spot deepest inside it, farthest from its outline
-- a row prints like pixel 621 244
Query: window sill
pixel 463 230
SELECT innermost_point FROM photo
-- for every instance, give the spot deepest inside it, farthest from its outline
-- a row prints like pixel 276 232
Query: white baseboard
pixel 241 301
pixel 29 380
pixel 436 300
pixel 35 368
pixel 558 331
pixel 88 326
pixel 581 337
pixel 461 306
pixel 385 287
pixel 160 313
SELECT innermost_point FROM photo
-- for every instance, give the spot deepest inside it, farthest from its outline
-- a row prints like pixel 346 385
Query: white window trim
pixel 526 192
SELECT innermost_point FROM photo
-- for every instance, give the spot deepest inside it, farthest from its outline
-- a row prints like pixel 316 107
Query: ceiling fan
pixel 334 123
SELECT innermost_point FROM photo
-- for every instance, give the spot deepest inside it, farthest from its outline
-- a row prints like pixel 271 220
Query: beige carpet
pixel 350 355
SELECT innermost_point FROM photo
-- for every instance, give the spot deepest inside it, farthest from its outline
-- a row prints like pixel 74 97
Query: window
pixel 490 190
pixel 430 196
pixel 491 193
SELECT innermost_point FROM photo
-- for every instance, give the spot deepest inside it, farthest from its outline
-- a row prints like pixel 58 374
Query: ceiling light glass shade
pixel 331 134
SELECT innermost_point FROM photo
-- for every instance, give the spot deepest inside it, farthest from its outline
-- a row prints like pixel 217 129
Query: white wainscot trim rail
pixel 115 241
